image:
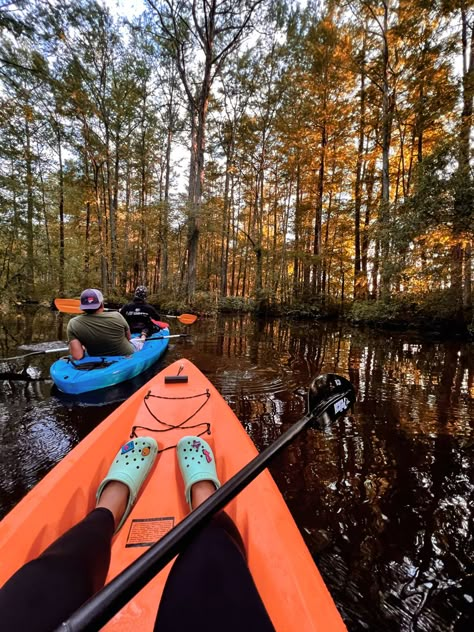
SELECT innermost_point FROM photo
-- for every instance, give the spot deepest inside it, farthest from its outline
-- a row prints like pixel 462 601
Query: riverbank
pixel 436 314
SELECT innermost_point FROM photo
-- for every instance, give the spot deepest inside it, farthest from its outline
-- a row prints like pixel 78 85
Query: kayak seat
pixel 93 364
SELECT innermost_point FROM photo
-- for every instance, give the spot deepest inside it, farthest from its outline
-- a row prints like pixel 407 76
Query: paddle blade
pixel 329 397
pixel 187 319
pixel 160 324
pixel 68 305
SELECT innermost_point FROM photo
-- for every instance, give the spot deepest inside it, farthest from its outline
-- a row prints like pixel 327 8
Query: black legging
pixel 211 581
pixel 209 588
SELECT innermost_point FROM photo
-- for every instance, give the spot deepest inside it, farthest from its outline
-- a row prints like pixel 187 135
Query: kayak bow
pixel 289 583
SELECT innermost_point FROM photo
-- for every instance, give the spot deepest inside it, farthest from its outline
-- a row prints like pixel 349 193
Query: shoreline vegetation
pixel 435 315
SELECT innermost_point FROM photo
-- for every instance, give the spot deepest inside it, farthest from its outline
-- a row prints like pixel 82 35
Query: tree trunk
pixel 46 228
pixel 165 208
pixel 113 212
pixel 226 213
pixel 215 29
pixel 387 116
pixel 195 198
pixel 109 204
pixel 369 179
pixel 316 284
pixel 61 213
pixel 358 274
pixel 467 288
pixel 193 238
pixel 464 197
pixel 456 277
pixel 234 239
pixel 100 225
pixel 297 235
pixel 126 237
pixel 87 248
pixel 30 268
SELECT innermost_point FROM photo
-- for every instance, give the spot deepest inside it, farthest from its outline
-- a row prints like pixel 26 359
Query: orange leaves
pixel 28 112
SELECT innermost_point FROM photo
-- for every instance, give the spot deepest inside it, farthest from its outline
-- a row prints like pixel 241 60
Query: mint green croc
pixel 196 462
pixel 131 466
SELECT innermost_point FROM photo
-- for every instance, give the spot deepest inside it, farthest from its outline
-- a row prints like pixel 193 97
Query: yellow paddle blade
pixel 68 305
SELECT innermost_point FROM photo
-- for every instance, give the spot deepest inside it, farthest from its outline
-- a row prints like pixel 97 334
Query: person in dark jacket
pixel 139 314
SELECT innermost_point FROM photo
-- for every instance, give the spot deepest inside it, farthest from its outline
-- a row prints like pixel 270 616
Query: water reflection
pixel 383 498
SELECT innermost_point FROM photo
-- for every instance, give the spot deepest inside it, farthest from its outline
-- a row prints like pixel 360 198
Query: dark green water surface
pixel 384 498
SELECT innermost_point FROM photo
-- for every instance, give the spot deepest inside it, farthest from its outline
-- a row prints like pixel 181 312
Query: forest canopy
pixel 239 152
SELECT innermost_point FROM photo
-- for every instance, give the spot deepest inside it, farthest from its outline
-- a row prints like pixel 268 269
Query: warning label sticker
pixel 147 531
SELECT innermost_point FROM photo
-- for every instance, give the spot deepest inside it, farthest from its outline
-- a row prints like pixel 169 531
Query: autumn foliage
pixel 262 156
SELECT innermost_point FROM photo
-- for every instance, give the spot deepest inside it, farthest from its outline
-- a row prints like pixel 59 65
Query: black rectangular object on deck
pixel 175 379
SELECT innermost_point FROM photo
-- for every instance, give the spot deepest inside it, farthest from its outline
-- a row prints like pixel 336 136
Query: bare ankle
pixel 201 491
pixel 114 497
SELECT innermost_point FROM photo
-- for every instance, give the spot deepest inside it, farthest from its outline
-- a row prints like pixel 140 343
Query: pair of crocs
pixel 135 459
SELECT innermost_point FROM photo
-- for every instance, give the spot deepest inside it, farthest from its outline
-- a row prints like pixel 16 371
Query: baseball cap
pixel 91 299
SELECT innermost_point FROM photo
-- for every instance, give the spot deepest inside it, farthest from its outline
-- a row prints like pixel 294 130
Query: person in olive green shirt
pixel 98 332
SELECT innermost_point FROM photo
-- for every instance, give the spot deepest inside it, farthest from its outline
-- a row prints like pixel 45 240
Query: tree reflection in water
pixel 383 498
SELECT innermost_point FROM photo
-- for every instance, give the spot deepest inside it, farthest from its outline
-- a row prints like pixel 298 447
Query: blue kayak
pixel 91 373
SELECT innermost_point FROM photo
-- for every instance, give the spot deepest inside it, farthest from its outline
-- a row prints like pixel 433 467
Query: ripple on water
pixel 32 445
pixel 250 381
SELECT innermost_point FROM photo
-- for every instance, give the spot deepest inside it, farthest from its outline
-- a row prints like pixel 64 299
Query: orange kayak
pixel 287 579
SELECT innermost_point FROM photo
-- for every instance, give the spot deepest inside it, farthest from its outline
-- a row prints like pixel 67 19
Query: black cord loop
pixel 181 425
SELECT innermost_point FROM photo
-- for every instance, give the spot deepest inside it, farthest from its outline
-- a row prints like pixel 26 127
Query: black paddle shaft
pixel 66 349
pixel 339 397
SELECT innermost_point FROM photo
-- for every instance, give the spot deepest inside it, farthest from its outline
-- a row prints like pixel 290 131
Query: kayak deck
pixel 92 373
pixel 289 583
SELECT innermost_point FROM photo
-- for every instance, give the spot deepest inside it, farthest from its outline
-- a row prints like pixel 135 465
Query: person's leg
pixel 138 342
pixel 46 591
pixel 210 587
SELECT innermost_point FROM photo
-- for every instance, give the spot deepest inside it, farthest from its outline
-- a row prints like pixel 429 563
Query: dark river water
pixel 384 498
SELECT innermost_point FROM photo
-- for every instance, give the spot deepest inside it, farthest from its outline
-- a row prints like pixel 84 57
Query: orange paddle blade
pixel 187 319
pixel 68 305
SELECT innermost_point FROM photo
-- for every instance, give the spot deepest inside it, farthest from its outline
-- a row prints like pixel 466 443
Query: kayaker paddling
pixel 139 314
pixel 209 588
pixel 98 332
